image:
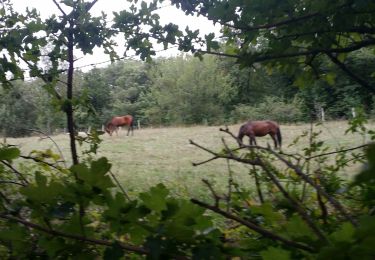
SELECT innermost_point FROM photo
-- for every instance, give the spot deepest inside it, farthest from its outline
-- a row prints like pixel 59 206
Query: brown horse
pixel 117 121
pixel 260 128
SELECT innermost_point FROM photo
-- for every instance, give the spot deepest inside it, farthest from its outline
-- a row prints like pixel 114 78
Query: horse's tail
pixel 132 123
pixel 278 134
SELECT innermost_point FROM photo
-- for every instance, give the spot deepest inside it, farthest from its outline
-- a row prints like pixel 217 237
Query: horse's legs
pixel 252 140
pixel 274 139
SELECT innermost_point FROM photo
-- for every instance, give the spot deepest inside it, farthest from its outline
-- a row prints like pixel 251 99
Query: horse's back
pixel 122 120
pixel 259 127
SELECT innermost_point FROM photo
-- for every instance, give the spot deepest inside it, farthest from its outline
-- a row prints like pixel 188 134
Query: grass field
pixel 164 155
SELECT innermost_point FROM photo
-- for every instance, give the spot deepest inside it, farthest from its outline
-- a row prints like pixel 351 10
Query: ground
pixel 155 155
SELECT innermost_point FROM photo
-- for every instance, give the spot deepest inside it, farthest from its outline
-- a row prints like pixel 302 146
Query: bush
pixel 271 109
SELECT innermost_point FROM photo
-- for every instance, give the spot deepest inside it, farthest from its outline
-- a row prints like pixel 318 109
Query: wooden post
pixel 322 114
pixel 353 112
pixel 139 124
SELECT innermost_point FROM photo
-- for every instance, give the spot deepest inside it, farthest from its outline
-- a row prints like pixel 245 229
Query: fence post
pixel 353 112
pixel 139 124
pixel 322 114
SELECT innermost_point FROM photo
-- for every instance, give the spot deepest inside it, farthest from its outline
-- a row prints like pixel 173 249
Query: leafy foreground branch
pixel 298 208
pixel 308 205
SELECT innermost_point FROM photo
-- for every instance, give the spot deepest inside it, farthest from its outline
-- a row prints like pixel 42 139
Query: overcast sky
pixel 167 14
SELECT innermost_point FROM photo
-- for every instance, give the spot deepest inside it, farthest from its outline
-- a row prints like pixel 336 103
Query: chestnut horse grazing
pixel 260 128
pixel 117 121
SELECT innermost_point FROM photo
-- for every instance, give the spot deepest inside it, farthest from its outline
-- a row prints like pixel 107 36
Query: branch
pixel 269 57
pixel 356 78
pixel 206 161
pixel 12 182
pixel 319 189
pixel 19 174
pixel 53 141
pixel 296 204
pixel 217 155
pixel 40 161
pixel 126 247
pixel 59 7
pixel 254 226
pixel 119 185
pixel 340 151
pixel 216 197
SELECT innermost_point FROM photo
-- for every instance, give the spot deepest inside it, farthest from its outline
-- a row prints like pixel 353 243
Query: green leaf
pixel 155 199
pixel 297 228
pixel 330 78
pixel 100 166
pixel 268 212
pixel 344 234
pixel 273 253
pixel 9 153
pixel 113 252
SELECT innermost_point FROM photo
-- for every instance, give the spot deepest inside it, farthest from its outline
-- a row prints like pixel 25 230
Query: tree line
pixel 184 90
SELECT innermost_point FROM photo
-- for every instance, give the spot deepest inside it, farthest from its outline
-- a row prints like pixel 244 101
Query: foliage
pixel 271 109
pixel 187 91
pixel 291 36
pixel 303 208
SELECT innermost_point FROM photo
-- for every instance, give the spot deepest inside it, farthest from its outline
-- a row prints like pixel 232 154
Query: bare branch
pixel 254 227
pixel 206 161
pixel 119 185
pixel 340 151
pixel 216 197
pixel 59 7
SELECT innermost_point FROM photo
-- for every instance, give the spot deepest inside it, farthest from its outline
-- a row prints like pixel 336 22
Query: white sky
pixel 167 14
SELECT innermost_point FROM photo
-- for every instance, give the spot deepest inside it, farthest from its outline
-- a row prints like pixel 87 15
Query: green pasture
pixel 164 155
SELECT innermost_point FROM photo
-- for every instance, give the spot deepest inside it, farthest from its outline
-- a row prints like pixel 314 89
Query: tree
pixel 188 91
pixel 51 210
pixel 289 35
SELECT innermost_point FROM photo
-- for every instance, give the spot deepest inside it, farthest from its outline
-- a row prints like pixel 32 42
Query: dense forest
pixel 184 90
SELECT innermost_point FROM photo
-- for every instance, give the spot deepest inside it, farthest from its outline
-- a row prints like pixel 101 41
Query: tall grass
pixel 164 155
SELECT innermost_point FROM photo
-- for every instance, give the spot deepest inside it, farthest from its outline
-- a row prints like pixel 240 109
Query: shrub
pixel 271 109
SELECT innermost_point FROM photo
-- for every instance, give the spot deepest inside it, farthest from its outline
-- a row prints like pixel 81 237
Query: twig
pixel 216 197
pixel 257 184
pixel 340 151
pixel 12 182
pixel 217 155
pixel 19 174
pixel 307 179
pixel 119 185
pixel 230 183
pixel 53 141
pixel 206 161
pixel 40 161
pixel 254 227
pixel 296 204
pixel 126 247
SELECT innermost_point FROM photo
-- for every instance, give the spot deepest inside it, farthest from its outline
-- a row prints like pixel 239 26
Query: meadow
pixel 164 155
